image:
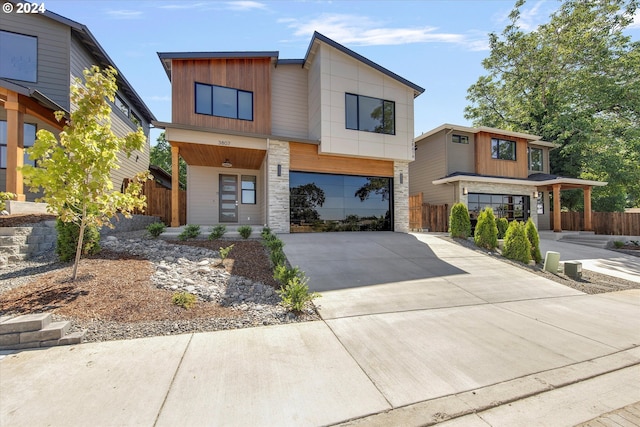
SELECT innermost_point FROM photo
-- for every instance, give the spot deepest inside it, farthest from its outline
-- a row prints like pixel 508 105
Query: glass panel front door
pixel 228 198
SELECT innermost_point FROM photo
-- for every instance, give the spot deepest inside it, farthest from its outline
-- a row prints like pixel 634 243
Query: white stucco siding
pixel 341 74
pixel 289 107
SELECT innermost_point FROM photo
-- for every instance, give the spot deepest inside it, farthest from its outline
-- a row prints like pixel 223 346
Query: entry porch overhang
pixel 542 182
pixel 20 101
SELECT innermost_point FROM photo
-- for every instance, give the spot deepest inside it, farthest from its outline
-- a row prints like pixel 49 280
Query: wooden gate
pixel 427 217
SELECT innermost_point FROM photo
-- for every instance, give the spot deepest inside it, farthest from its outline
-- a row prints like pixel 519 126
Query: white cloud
pixel 125 14
pixel 636 21
pixel 359 30
pixel 245 5
pixel 531 18
pixel 182 6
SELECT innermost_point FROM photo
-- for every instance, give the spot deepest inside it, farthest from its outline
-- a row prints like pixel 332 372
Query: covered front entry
pixel 228 198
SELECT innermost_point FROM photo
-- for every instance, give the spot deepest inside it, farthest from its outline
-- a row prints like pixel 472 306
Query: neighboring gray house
pixel 40 56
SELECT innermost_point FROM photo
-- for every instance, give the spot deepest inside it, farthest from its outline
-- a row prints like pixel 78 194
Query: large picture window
pixel 224 102
pixel 29 139
pixel 535 159
pixel 503 149
pixel 370 114
pixel 18 57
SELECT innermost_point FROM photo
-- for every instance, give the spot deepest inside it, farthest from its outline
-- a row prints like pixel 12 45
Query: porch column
pixel 175 187
pixel 557 219
pixel 587 209
pixel 15 145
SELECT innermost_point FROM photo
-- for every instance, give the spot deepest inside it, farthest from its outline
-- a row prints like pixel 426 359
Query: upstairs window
pixel 29 139
pixel 370 114
pixel 122 106
pixel 460 139
pixel 503 149
pixel 535 159
pixel 18 57
pixel 224 102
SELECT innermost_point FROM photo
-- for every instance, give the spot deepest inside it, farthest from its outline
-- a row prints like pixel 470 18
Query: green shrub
pixel 277 257
pixel 516 244
pixel 224 252
pixel 156 229
pixel 266 233
pixel 284 275
pixel 245 231
pixel 68 234
pixel 4 196
pixel 486 232
pixel 184 299
pixel 534 241
pixel 459 222
pixel 217 231
pixel 190 231
pixel 274 244
pixel 296 293
pixel 618 244
pixel 502 224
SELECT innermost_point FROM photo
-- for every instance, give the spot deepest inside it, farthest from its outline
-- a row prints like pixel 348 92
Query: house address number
pixel 223 142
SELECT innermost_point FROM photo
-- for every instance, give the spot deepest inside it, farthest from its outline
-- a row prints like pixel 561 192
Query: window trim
pixel 529 164
pixel 497 152
pixel 36 56
pixel 254 180
pixel 357 113
pixel 211 86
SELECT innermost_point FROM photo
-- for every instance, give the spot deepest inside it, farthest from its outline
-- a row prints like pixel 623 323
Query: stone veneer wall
pixel 401 197
pixel 278 216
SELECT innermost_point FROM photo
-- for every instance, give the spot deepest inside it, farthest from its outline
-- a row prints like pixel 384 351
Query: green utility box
pixel 573 269
pixel 551 262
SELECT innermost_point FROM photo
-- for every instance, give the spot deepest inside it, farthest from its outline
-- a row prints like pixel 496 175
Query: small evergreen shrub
pixel 277 257
pixel 516 244
pixel 217 231
pixel 156 229
pixel 486 232
pixel 183 299
pixel 284 275
pixel 618 244
pixel 245 231
pixel 296 293
pixel 459 222
pixel 67 243
pixel 502 224
pixel 224 252
pixel 265 233
pixel 534 241
pixel 191 231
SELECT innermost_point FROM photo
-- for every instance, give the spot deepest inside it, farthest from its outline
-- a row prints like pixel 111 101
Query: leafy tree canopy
pixel 573 81
pixel 160 155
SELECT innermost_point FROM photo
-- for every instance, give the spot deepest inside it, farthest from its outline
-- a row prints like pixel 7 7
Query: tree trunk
pixel 83 225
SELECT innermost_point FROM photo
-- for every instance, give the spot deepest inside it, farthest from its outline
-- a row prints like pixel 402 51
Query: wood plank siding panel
pixel 290 111
pixel 430 164
pixel 485 165
pixel 249 74
pixel 305 158
pixel 121 125
pixel 53 53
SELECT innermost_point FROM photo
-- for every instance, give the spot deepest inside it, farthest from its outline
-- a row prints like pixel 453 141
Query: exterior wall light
pixel 465 191
pixel 279 169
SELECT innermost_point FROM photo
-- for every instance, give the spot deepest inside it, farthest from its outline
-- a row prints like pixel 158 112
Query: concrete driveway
pixel 453 333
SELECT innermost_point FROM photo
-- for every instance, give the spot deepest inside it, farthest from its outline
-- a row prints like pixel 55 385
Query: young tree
pixel 74 173
pixel 160 156
pixel 574 80
pixel 459 221
pixel 486 232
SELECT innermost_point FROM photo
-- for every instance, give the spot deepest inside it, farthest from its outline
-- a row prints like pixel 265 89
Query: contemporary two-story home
pixel 508 171
pixel 41 54
pixel 312 144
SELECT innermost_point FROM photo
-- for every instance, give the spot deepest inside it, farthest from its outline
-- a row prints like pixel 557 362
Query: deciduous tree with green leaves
pixel 574 80
pixel 75 172
pixel 160 156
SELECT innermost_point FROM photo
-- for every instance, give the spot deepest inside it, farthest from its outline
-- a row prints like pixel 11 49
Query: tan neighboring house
pixel 482 166
pixel 40 56
pixel 313 144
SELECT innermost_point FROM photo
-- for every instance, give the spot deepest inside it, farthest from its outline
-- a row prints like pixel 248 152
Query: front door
pixel 228 198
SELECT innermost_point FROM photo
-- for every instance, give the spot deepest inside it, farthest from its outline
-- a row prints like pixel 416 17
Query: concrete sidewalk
pixel 472 334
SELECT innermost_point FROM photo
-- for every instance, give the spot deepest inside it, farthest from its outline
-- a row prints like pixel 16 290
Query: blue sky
pixel 436 44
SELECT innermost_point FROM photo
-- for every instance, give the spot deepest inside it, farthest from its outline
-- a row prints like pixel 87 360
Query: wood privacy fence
pixel 159 202
pixel 609 223
pixel 425 216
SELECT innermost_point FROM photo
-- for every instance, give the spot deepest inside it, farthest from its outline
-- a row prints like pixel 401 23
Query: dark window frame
pixel 461 139
pixel 358 126
pixel 529 165
pixel 496 154
pixel 252 179
pixel 36 56
pixel 238 107
pixel 26 161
